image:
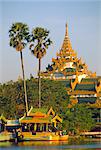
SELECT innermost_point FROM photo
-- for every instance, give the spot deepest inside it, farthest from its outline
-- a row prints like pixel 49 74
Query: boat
pixel 8 129
pixel 6 136
pixel 41 124
pixel 43 136
pixel 63 137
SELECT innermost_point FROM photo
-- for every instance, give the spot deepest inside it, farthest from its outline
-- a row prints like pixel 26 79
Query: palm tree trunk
pixel 25 91
pixel 39 83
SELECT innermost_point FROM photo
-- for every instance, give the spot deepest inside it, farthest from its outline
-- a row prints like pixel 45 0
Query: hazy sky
pixel 84 22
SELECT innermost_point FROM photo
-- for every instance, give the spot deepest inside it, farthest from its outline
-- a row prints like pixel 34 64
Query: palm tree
pixel 19 36
pixel 40 42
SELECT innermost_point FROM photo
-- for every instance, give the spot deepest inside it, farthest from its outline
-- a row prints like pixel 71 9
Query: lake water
pixel 87 145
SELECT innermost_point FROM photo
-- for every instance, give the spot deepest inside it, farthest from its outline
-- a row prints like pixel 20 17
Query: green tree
pixel 54 94
pixel 12 94
pixel 38 47
pixel 77 119
pixel 19 36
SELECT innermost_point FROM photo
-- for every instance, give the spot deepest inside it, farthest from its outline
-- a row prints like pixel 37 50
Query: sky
pixel 84 25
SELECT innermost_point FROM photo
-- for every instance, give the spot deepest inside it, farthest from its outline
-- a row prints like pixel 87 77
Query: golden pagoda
pixel 67 65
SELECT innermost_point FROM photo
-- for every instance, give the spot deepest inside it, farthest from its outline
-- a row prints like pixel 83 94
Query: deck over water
pixel 91 133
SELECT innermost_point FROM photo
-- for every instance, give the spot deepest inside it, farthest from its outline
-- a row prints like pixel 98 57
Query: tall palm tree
pixel 19 36
pixel 38 47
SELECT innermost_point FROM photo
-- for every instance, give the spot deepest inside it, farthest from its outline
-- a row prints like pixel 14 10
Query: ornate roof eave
pixel 34 120
pixel 81 92
pixel 51 111
pixel 57 118
pixel 98 87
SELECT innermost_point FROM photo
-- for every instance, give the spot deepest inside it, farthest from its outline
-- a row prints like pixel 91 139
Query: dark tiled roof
pixel 58 74
pixel 70 70
pixel 95 80
pixel 66 82
pixel 86 100
pixel 89 87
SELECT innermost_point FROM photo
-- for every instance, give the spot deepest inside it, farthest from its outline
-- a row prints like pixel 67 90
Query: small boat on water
pixel 8 129
pixel 5 136
pixel 44 136
pixel 63 137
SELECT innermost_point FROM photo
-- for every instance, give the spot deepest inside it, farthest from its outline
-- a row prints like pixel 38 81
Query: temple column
pixel 46 126
pixel 41 127
pixel 55 124
pixel 35 126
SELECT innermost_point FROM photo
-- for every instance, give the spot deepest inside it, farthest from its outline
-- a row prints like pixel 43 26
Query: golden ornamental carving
pixel 98 87
pixel 73 84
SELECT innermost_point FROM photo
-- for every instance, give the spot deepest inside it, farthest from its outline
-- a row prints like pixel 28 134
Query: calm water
pixel 87 145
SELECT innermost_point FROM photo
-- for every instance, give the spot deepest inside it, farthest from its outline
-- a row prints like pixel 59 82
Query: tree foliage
pixel 78 118
pixel 53 94
pixel 19 35
pixel 75 119
pixel 41 42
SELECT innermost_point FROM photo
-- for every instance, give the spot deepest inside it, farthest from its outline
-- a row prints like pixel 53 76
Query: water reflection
pixel 39 145
pixel 60 145
pixel 5 144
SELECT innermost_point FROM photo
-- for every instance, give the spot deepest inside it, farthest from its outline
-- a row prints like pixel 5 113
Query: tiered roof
pixel 67 65
pixel 40 115
pixel 88 90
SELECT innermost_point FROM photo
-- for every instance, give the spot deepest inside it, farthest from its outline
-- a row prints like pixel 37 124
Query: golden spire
pixel 66 34
pixel 66 42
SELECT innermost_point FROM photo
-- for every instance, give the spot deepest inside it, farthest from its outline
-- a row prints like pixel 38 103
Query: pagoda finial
pixel 66 43
pixel 66 34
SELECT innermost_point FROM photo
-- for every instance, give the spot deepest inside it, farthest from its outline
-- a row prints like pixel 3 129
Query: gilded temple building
pixel 40 119
pixel 83 86
pixel 67 65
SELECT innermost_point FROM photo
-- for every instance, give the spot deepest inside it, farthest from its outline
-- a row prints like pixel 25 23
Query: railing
pixel 91 133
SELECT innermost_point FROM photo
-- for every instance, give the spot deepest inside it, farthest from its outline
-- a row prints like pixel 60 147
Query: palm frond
pixel 19 34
